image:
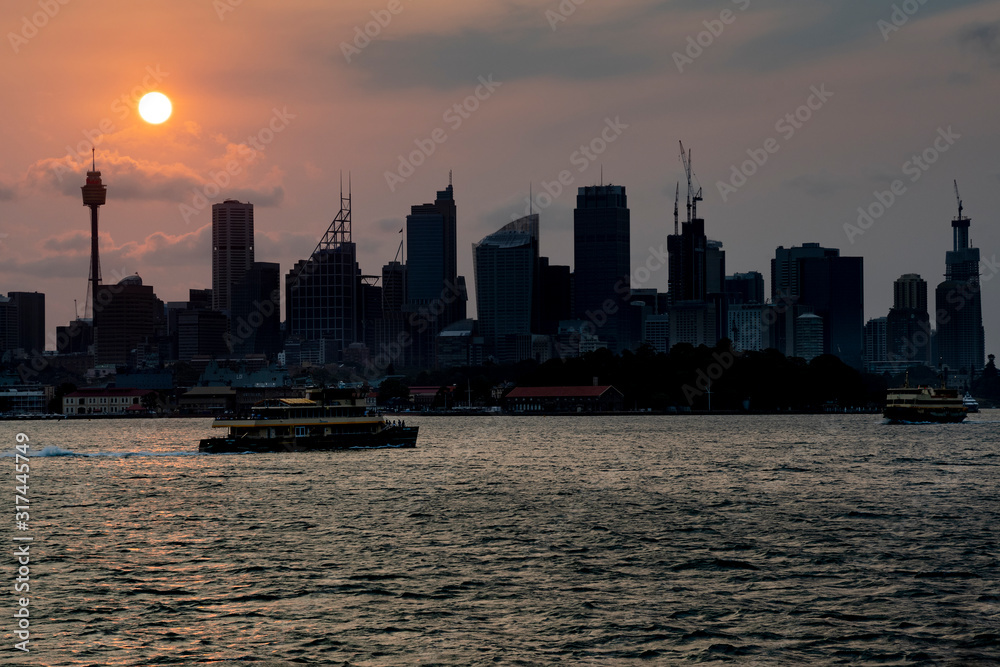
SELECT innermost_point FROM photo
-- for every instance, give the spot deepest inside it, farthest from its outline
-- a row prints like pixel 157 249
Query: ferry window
pixel 300 431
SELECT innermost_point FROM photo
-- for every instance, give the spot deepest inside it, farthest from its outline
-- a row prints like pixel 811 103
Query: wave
pixel 55 450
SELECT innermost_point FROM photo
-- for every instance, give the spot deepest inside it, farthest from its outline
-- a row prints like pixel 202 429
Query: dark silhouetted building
pixel 506 268
pixel 908 327
pixel 746 287
pixel 255 325
pixel 436 295
pixel 321 293
pixel 601 241
pixel 959 311
pixel 832 288
pixel 201 333
pixel 126 315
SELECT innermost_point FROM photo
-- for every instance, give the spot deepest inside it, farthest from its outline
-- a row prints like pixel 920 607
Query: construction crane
pixel 677 196
pixel 692 199
pixel 959 198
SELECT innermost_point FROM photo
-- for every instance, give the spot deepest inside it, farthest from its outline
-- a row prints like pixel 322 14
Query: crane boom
pixel 685 159
pixel 959 198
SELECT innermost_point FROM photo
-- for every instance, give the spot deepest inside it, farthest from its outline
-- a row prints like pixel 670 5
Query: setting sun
pixel 155 108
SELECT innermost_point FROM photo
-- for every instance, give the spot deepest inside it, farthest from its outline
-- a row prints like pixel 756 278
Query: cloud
pixel 456 60
pixel 982 39
pixel 129 178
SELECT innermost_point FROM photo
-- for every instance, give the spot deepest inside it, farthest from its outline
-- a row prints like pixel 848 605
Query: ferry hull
pixel 400 437
pixel 914 414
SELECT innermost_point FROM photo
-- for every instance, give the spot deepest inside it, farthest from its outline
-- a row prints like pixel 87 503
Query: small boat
pixel 323 419
pixel 970 403
pixel 924 404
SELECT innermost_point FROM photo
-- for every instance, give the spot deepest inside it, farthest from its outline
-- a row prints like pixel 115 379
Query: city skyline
pixel 632 103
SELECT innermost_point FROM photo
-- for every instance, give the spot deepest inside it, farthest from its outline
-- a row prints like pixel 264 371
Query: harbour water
pixel 814 540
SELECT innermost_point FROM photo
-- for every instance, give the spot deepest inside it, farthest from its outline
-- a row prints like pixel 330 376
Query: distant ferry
pixel 924 404
pixel 325 419
pixel 970 403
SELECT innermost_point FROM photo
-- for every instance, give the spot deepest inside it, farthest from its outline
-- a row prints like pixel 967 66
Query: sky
pixel 797 114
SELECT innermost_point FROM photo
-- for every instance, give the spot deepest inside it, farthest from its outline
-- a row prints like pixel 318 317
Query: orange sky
pixel 235 70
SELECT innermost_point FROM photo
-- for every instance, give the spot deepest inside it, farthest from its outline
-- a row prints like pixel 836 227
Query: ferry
pixel 323 419
pixel 924 404
pixel 970 403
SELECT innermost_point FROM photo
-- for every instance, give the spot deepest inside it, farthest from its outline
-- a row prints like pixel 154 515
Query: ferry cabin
pixel 282 418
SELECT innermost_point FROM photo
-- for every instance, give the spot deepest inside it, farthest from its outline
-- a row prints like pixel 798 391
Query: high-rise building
pixel 321 292
pixel 555 296
pixel 785 269
pixel 959 311
pixel 601 237
pixel 745 287
pixel 809 331
pixel 688 274
pixel 232 249
pixel 507 296
pixel 128 314
pixel 832 287
pixel 201 333
pixel 30 320
pixel 876 348
pixel 908 328
pixel 436 295
pixel 255 326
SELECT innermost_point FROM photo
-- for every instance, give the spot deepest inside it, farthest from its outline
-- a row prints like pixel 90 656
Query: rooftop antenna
pixel 531 202
pixel 449 178
pixel 93 160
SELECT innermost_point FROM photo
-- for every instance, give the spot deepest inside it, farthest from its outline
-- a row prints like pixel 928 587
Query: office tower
pixel 436 296
pixel 876 347
pixel 321 292
pixel 200 299
pixel 908 328
pixel 506 267
pixel 809 334
pixel 748 329
pixel 30 320
pixel 202 333
pixel 555 296
pixel 745 287
pixel 687 254
pixel 959 312
pixel 432 257
pixel 232 249
pixel 255 324
pixel 832 287
pixel 128 314
pixel 715 267
pixel 601 258
pixel 785 269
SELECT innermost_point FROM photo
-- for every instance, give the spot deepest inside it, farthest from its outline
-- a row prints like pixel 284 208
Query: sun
pixel 155 108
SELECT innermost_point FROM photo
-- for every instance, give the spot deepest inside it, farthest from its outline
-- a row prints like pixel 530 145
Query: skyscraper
pixel 507 297
pixel 436 296
pixel 127 315
pixel 601 237
pixel 321 292
pixel 833 288
pixel 786 272
pixel 960 334
pixel 908 329
pixel 255 326
pixel 232 249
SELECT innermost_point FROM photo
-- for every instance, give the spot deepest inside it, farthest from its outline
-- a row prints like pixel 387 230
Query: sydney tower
pixel 95 194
